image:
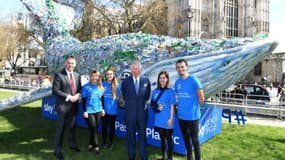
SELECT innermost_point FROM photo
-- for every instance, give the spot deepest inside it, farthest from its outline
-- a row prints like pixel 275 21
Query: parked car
pixel 252 91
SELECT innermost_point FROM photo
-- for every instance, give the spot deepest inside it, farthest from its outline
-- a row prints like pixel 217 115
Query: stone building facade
pixel 218 18
pixel 208 19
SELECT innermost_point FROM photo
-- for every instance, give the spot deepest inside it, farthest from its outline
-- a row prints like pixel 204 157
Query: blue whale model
pixel 218 63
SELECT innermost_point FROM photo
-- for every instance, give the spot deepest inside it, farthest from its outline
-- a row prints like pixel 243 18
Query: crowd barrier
pixel 210 124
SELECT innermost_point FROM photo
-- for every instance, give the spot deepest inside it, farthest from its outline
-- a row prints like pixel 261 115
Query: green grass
pixel 25 135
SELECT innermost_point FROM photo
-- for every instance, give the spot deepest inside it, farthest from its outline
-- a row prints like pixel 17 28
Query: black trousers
pixel 108 121
pixel 166 142
pixel 93 121
pixel 65 120
pixel 190 133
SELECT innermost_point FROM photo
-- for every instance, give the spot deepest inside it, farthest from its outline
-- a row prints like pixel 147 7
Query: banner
pixel 210 124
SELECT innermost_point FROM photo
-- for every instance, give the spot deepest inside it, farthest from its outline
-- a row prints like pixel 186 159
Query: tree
pixel 13 39
pixel 103 18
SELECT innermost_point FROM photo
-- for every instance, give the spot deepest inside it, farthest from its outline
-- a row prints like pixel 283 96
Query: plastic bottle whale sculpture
pixel 218 63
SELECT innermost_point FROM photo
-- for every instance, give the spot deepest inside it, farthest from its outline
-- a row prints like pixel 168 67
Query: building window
pixel 231 13
pixel 258 69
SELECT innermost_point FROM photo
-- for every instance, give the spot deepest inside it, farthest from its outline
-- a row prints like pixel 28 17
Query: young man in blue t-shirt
pixel 190 98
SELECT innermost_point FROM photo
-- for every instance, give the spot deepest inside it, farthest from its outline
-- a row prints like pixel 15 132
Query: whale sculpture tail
pixel 56 21
pixel 54 18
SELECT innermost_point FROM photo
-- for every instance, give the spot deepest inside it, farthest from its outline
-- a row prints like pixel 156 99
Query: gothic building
pixel 218 18
pixel 208 19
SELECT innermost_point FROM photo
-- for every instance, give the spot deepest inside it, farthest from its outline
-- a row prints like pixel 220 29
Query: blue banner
pixel 210 124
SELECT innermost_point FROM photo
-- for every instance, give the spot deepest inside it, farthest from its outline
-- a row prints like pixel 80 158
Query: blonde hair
pixel 114 82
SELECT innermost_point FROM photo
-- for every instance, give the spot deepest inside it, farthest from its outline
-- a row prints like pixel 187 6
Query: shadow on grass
pixel 24 134
pixel 280 140
pixel 24 131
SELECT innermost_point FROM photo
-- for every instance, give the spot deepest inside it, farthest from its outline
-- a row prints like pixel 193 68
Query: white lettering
pixel 119 126
pixel 155 135
pixel 49 108
pixel 175 140
pixel 152 133
pixel 209 126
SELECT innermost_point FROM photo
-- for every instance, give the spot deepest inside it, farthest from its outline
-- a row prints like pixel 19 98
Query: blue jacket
pixel 135 105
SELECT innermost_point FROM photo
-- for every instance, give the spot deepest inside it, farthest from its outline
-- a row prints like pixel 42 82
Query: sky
pixel 8 7
pixel 277 17
pixel 277 23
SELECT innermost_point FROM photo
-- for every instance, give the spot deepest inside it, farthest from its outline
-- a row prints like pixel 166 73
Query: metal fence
pixel 19 86
pixel 259 106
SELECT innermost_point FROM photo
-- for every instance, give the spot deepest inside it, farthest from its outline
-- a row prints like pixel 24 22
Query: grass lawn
pixel 25 135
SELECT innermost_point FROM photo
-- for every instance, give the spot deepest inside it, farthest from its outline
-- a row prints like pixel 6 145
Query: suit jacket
pixel 62 88
pixel 135 105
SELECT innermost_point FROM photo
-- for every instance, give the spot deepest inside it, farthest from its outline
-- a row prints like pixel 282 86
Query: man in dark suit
pixel 135 92
pixel 66 88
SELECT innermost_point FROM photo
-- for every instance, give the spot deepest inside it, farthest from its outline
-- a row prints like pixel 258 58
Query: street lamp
pixel 189 16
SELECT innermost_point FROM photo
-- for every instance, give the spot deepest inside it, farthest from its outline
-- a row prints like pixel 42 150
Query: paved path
pixel 267 121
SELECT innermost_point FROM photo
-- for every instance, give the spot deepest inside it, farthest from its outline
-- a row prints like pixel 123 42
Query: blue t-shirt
pixel 110 104
pixel 167 99
pixel 93 96
pixel 188 101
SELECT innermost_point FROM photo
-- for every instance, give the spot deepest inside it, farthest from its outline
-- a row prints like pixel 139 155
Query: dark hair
pixel 181 61
pixel 167 76
pixel 69 56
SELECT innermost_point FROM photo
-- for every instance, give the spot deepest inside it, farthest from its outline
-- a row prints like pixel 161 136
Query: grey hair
pixel 136 63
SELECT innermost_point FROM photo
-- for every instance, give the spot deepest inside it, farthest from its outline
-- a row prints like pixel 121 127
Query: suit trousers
pixel 139 126
pixel 65 120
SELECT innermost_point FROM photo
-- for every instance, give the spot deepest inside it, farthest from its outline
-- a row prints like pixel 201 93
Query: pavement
pixel 266 121
pixel 11 90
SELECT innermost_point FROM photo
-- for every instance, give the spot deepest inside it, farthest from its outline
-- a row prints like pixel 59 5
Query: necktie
pixel 137 86
pixel 72 84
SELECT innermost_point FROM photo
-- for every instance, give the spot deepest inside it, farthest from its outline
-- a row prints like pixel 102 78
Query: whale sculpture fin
pixel 54 18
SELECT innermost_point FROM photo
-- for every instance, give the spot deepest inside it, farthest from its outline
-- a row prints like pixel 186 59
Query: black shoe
pixel 104 145
pixel 59 156
pixel 76 149
pixel 109 146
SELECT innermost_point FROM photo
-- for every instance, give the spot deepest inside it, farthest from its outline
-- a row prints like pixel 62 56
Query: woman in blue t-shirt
pixel 164 116
pixel 111 96
pixel 92 107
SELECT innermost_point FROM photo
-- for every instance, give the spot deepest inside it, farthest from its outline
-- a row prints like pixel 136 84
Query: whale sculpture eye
pixel 226 63
pixel 124 75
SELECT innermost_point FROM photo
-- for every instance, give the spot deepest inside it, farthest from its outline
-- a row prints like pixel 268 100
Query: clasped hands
pixel 75 98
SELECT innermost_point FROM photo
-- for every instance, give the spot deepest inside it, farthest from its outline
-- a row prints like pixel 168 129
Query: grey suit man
pixel 66 88
pixel 135 110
